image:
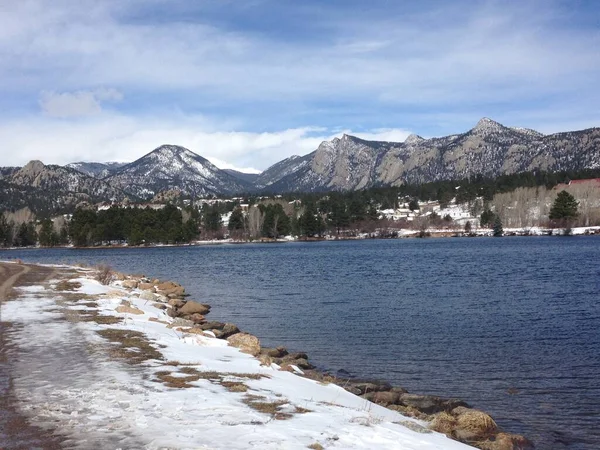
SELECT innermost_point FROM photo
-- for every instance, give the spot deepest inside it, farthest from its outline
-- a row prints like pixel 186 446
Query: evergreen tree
pixel 357 209
pixel 339 218
pixel 468 227
pixel 413 205
pixel 498 230
pixel 47 236
pixel 372 213
pixel 236 220
pixel 212 218
pixel 308 221
pixel 487 218
pixel 564 207
pixel 26 235
pixel 6 232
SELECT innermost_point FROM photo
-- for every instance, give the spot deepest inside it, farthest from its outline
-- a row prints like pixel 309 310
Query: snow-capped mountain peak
pixel 174 167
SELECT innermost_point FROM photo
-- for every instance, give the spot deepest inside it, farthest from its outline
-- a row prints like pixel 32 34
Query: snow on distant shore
pixel 65 380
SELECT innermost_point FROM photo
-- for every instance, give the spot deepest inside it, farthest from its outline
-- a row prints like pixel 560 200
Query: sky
pixel 248 83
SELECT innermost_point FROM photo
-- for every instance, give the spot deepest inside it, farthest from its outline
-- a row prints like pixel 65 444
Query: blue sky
pixel 247 83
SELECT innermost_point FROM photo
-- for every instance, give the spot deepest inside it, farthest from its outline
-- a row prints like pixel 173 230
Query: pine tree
pixel 564 207
pixel 487 218
pixel 47 236
pixel 236 220
pixel 498 230
pixel 468 227
pixel 6 232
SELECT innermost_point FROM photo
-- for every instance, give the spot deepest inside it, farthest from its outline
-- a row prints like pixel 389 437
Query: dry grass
pixel 443 423
pixel 134 347
pixel 104 274
pixel 316 446
pixel 271 408
pixel 93 316
pixel 65 285
pixel 190 370
pixel 234 386
pixel 300 410
pixel 176 382
pixel 475 424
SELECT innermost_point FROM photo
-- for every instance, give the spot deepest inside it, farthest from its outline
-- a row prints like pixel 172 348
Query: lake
pixel 511 325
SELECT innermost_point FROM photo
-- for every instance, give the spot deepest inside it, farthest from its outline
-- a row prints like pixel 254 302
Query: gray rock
pixel 430 404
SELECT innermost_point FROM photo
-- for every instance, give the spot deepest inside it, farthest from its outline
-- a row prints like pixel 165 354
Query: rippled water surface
pixel 510 325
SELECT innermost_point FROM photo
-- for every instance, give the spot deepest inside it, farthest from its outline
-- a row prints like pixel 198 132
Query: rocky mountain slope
pixel 243 176
pixel 345 163
pixel 171 167
pixel 52 188
pixel 490 149
pixel 96 170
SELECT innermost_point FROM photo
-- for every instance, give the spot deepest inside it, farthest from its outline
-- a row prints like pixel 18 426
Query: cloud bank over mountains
pixel 248 83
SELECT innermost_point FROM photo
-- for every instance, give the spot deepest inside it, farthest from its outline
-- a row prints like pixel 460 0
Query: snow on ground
pixel 65 379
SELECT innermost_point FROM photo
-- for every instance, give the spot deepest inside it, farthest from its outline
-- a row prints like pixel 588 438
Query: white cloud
pixel 111 137
pixel 439 68
pixel 76 104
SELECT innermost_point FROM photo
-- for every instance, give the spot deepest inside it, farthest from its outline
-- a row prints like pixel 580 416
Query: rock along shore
pixel 450 416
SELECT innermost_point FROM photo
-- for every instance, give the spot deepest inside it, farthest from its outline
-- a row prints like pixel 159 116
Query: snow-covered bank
pixel 135 379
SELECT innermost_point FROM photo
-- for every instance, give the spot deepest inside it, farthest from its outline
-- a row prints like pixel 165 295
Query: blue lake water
pixel 468 318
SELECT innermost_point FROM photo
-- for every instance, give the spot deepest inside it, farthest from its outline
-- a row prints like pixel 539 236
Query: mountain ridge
pixel 348 162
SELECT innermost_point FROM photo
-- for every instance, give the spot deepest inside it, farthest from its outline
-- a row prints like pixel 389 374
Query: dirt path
pixel 15 431
pixel 9 274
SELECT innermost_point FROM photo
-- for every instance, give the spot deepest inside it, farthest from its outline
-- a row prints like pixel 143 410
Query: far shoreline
pixel 520 232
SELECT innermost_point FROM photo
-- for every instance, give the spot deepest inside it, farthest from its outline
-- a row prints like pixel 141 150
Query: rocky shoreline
pixel 450 416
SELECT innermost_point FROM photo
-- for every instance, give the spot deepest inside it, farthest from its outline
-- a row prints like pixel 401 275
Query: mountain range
pixel 347 163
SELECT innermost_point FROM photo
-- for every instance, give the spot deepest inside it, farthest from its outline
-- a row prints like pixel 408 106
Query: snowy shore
pixel 133 379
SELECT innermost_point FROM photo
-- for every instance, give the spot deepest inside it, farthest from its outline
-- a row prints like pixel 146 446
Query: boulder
pixel 383 398
pixel 430 404
pixel 196 318
pixel 191 307
pixel 130 284
pixel 176 302
pixel 506 441
pixel 118 276
pixel 301 363
pixel 171 289
pixel 146 287
pixel 370 386
pixel 246 342
pixel 212 325
pixel 399 390
pixel 179 322
pixel 129 310
pixel 160 305
pixel 229 330
pixel 167 285
pixel 278 352
pixel 148 296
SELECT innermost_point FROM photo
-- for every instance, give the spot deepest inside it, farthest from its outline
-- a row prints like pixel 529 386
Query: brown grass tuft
pixel 104 274
pixel 301 410
pixel 443 423
pixel 271 408
pixel 65 285
pixel 474 424
pixel 316 446
pixel 176 382
pixel 234 386
pixel 134 347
